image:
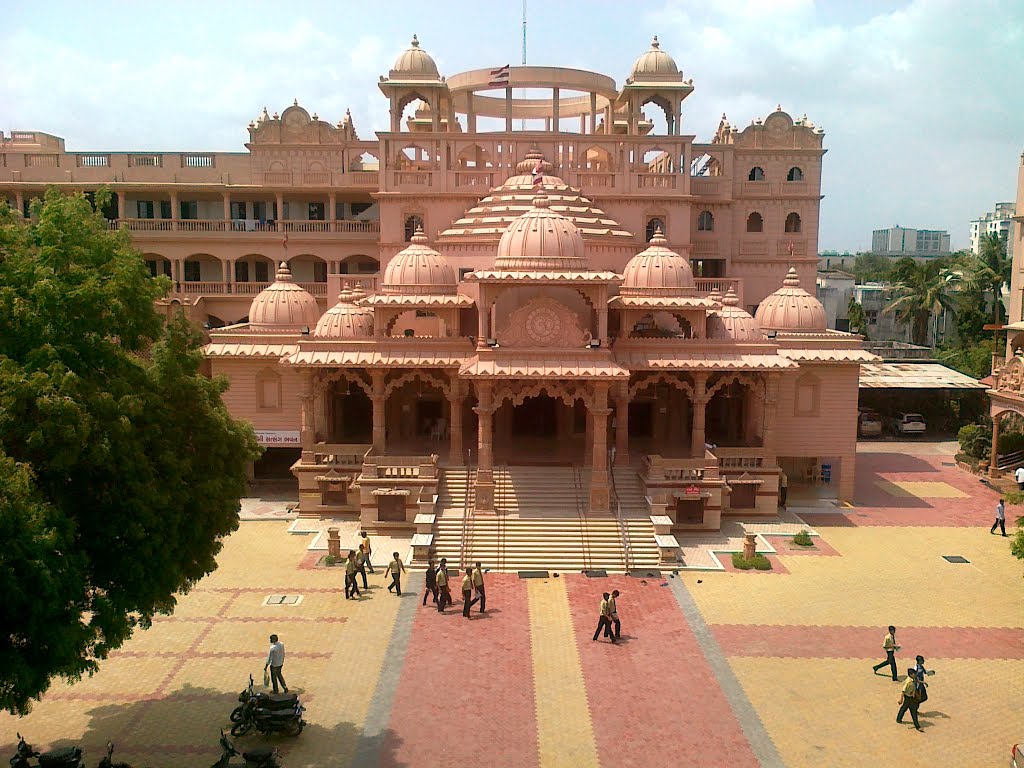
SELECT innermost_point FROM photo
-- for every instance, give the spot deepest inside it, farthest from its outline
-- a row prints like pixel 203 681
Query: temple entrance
pixel 535 417
pixel 641 419
pixel 430 420
pixel 352 416
pixel 690 511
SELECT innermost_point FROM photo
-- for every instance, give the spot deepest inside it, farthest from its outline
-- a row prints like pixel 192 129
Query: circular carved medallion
pixel 544 326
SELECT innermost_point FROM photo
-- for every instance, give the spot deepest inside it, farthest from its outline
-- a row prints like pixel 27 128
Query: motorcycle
pixel 108 761
pixel 272 701
pixel 62 757
pixel 255 716
pixel 258 757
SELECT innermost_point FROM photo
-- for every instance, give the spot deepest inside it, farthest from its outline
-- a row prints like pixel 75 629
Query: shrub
pixel 761 563
pixel 1014 498
pixel 738 561
pixel 975 440
pixel 803 539
pixel 330 560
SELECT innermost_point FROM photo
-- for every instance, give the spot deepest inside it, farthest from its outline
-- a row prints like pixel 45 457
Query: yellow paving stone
pixel 565 734
pixel 928 490
pixel 198 603
pixel 884 575
pixel 124 674
pixel 254 638
pixel 835 712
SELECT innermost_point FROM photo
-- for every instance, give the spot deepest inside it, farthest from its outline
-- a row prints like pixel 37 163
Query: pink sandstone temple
pixel 506 308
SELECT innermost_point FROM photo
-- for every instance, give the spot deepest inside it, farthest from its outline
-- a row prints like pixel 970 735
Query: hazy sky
pixel 923 126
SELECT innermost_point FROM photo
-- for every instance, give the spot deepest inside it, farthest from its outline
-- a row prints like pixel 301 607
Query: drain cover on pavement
pixel 533 574
pixel 646 573
pixel 282 600
pixel 955 559
pixel 598 574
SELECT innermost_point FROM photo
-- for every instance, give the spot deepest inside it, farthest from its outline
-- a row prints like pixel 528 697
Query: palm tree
pixel 922 291
pixel 988 270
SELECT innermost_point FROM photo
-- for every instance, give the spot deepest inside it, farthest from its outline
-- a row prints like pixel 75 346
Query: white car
pixel 908 424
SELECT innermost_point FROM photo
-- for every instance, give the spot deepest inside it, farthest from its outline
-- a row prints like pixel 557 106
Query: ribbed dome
pixel 345 320
pixel 792 309
pixel 419 269
pixel 283 306
pixel 541 240
pixel 415 63
pixel 733 323
pixel 657 271
pixel 654 62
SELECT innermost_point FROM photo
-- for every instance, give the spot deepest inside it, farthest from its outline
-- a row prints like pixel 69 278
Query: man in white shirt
pixel 1019 476
pixel 1000 518
pixel 275 660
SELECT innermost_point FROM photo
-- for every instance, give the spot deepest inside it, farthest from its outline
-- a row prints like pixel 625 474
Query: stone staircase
pixel 537 491
pixel 452 493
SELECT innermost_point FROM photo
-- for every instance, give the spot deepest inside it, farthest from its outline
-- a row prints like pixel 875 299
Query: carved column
pixel 622 426
pixel 122 206
pixel 588 438
pixel 599 461
pixel 455 401
pixel 227 205
pixel 485 462
pixel 332 206
pixel 700 401
pixel 306 435
pixel 378 398
pixel 993 464
pixel 771 407
pixel 279 202
pixel 19 203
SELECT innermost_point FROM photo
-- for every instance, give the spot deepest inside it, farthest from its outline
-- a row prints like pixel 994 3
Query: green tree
pixel 120 467
pixel 858 319
pixel 988 272
pixel 922 290
pixel 973 359
pixel 871 267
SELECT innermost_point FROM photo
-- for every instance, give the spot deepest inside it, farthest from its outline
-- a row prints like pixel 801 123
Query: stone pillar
pixel 622 427
pixel 227 205
pixel 588 438
pixel 19 203
pixel 554 108
pixel 847 477
pixel 599 462
pixel 508 110
pixel 593 113
pixel 122 206
pixel 993 464
pixel 279 202
pixel 484 444
pixel 771 407
pixel 175 212
pixel 332 206
pixel 333 543
pixel 470 114
pixel 700 401
pixel 230 287
pixel 749 546
pixel 307 434
pixel 602 323
pixel 455 402
pixel 378 398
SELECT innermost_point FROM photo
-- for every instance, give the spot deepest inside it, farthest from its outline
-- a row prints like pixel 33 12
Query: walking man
pixel 613 615
pixel 783 488
pixel 909 699
pixel 1000 518
pixel 478 585
pixel 369 552
pixel 468 601
pixel 351 588
pixel 361 565
pixel 604 621
pixel 1019 477
pixel 442 586
pixel 922 686
pixel 431 588
pixel 890 648
pixel 275 661
pixel 396 569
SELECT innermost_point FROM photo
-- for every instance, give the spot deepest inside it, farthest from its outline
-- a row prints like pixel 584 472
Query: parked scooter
pixel 257 757
pixel 108 761
pixel 272 701
pixel 256 716
pixel 63 757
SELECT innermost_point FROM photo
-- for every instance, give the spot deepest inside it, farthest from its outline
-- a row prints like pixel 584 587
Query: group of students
pixel 358 562
pixel 915 689
pixel 437 586
pixel 609 618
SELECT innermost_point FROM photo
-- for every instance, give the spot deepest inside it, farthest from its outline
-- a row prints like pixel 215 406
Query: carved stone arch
pixel 650 379
pixel 567 393
pixel 754 382
pixel 408 376
pixel 406 99
pixel 324 378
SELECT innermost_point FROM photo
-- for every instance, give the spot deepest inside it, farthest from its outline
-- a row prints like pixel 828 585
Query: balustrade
pixel 315 289
pixel 411 178
pixel 304 226
pixel 343 226
pixel 595 180
pixel 719 284
pixel 277 177
pixel 757 188
pixel 656 181
pixel 316 177
pixel 248 289
pixel 474 179
pixel 706 187
pixel 203 287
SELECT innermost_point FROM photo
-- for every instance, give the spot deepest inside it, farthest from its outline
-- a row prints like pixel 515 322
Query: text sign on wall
pixel 691 489
pixel 277 437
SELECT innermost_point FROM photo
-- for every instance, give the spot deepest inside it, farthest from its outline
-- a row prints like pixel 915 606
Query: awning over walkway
pixel 543 368
pixel 914 376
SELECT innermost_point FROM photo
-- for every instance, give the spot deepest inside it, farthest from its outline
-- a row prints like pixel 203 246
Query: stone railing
pixel 739 457
pixel 660 469
pixel 249 226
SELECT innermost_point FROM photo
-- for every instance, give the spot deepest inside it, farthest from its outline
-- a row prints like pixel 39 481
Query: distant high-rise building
pixel 999 221
pixel 917 243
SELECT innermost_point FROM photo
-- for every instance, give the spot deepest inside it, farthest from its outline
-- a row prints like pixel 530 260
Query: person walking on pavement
pixel 468 601
pixel 431 588
pixel 442 586
pixel 361 566
pixel 397 569
pixel 920 671
pixel 613 615
pixel 351 588
pixel 1000 518
pixel 478 585
pixel 909 700
pixel 369 551
pixel 275 661
pixel 604 621
pixel 1019 477
pixel 890 648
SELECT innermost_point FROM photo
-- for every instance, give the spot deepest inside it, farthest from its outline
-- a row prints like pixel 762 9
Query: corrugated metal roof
pixel 914 376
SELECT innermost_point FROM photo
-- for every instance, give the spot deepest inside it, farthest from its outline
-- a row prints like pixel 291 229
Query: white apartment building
pixel 999 221
pixel 903 241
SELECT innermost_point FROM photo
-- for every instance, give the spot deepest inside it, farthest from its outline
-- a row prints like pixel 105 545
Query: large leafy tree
pixel 120 468
pixel 921 291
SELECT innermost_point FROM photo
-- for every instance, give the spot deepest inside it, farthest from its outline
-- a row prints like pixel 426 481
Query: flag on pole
pixel 500 77
pixel 538 176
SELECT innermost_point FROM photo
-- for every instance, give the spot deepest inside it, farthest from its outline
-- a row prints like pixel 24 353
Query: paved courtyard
pixel 715 668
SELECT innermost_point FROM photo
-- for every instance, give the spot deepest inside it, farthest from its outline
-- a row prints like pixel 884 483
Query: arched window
pixel 705 221
pixel 653 225
pixel 268 390
pixel 793 222
pixel 412 223
pixel 795 174
pixel 756 174
pixel 755 223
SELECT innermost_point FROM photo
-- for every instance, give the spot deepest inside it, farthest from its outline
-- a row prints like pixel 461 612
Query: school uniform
pixel 478 585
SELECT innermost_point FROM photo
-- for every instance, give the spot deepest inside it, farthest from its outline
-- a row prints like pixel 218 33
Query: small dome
pixel 792 309
pixel 345 320
pixel 657 271
pixel 415 63
pixel 654 62
pixel 419 269
pixel 541 240
pixel 733 323
pixel 283 306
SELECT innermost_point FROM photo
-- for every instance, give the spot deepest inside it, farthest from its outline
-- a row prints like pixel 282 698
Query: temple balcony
pixel 162 229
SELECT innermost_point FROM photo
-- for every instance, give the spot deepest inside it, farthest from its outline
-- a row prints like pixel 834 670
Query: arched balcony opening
pixel 310 271
pixel 253 273
pixel 734 416
pixel 755 223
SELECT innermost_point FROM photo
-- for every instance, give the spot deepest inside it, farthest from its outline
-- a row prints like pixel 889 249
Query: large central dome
pixel 541 240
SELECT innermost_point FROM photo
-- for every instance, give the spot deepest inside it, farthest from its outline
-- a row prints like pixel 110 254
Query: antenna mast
pixel 522 123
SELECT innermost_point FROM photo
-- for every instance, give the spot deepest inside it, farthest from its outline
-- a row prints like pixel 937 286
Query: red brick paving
pixel 653 699
pixel 866 642
pixel 466 693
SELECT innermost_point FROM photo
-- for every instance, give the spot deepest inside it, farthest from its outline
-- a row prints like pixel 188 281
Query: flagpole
pixel 508 108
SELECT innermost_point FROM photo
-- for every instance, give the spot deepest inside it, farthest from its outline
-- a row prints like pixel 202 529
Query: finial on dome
pixel 715 296
pixel 792 279
pixel 284 275
pixel 658 238
pixel 654 42
pixel 418 236
pixel 541 202
pixel 730 299
pixel 778 108
pixel 415 42
pixel 295 102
